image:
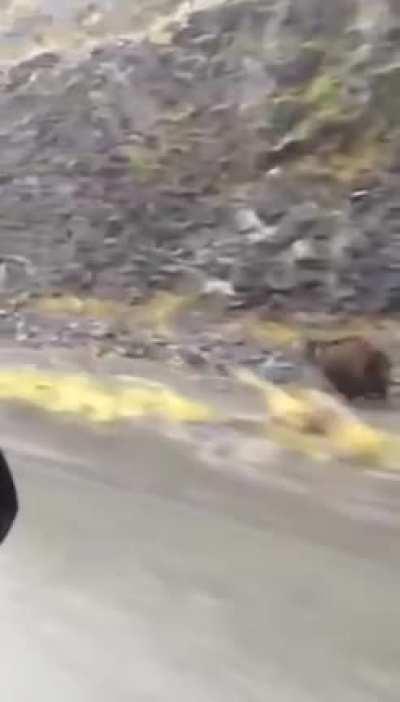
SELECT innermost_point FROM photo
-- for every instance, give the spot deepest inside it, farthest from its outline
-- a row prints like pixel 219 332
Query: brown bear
pixel 353 365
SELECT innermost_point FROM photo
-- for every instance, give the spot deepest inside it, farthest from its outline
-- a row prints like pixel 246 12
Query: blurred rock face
pixel 254 142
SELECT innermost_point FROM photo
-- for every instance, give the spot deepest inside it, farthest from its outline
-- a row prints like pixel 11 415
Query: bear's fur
pixel 353 365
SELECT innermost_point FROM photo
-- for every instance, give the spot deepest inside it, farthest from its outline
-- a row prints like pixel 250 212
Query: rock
pixel 134 351
pixel 223 154
pixel 311 253
pixel 248 275
pixel 8 326
pixel 280 275
pixel 300 68
pixel 285 114
pixel 344 295
pixel 247 221
pixel 311 219
pixel 278 370
pixel 386 92
pixel 221 287
pixel 347 245
pixel 266 235
pixel 188 281
pixel 16 274
pixel 21 73
pixel 316 281
pixel 102 330
pixel 194 357
pixel 216 298
pixel 302 220
pixel 360 200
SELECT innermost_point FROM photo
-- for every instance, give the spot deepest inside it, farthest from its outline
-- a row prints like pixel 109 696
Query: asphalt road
pixel 133 572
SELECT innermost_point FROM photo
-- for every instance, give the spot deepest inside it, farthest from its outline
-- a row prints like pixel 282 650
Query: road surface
pixel 134 572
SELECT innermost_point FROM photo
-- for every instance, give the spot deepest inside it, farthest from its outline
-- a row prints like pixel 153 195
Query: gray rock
pixel 219 287
pixel 120 167
pixel 16 274
pixel 306 220
pixel 311 253
pixel 265 234
pixel 277 369
pixel 314 277
pixel 248 275
pixel 386 92
pixel 285 114
pixel 194 357
pixel 102 330
pixel 281 274
pixel 310 218
pixel 247 221
pixel 188 281
pixel 300 68
pixel 348 245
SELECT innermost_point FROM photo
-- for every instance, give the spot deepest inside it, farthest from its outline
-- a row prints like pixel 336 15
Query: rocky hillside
pixel 255 142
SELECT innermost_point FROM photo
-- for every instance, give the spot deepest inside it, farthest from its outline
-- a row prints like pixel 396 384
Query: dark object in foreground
pixel 8 498
pixel 353 365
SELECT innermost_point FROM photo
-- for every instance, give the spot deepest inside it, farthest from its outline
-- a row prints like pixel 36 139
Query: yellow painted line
pixel 98 400
pixel 317 424
pixel 289 420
